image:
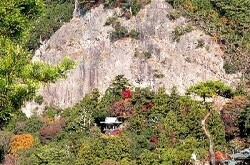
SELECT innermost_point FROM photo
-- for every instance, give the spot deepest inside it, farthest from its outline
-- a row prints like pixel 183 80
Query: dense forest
pixel 155 127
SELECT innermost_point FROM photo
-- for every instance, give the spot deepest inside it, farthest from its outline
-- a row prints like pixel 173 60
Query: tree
pixel 19 76
pixel 244 122
pixel 16 17
pixel 54 15
pixel 210 89
pixel 230 114
pixel 121 109
pixel 46 154
pixel 160 103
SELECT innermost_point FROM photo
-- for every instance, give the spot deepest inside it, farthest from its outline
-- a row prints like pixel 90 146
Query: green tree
pixel 244 122
pixel 19 76
pixel 16 17
pixel 160 103
pixel 54 15
pixel 211 88
pixel 47 154
pixel 81 117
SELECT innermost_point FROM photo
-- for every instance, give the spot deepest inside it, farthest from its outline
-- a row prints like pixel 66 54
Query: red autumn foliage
pixel 114 132
pixel 122 108
pixel 149 106
pixel 154 139
pixel 230 113
pixel 126 94
pixel 52 129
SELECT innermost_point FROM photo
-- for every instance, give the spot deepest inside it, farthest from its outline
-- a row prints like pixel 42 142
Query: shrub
pixel 38 99
pixel 51 112
pixel 30 125
pixel 179 31
pixel 134 34
pixel 112 21
pixel 122 32
pixel 200 43
pixel 5 137
pixel 229 67
pixel 118 33
pixel 244 122
pixel 173 14
pixel 121 108
pixel 159 75
pixel 10 160
pixel 20 142
pixel 51 154
pixel 230 114
pixel 52 130
pixel 147 55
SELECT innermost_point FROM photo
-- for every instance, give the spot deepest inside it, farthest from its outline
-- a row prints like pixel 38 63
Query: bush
pixel 147 55
pixel 118 33
pixel 52 130
pixel 48 154
pixel 5 138
pixel 112 21
pixel 121 108
pixel 134 34
pixel 20 142
pixel 179 31
pixel 126 94
pixel 230 114
pixel 200 43
pixel 122 32
pixel 38 99
pixel 30 125
pixel 159 75
pixel 174 15
pixel 10 160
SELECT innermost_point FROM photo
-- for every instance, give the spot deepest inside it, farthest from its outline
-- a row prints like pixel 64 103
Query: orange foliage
pixel 19 142
pixel 220 155
pixel 224 20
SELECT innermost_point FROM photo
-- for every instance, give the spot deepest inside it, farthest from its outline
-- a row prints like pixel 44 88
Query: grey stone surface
pixel 99 60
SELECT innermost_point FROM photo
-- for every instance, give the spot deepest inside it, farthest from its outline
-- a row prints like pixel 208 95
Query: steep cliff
pixel 171 63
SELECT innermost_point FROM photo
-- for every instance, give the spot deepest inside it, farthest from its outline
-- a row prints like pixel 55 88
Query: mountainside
pixel 155 57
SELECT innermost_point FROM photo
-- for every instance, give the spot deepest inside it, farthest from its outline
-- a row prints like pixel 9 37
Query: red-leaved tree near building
pixel 121 109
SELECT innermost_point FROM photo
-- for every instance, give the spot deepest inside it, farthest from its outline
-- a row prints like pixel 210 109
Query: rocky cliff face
pixel 99 60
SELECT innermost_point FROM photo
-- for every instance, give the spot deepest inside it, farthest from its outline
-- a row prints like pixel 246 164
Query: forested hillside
pixel 209 122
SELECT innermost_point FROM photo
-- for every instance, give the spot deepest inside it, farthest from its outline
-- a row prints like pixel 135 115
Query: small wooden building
pixel 111 125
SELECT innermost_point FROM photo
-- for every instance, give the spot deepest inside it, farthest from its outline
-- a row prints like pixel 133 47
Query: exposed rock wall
pixel 99 60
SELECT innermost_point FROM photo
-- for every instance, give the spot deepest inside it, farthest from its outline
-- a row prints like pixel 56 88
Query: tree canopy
pixel 211 88
pixel 19 76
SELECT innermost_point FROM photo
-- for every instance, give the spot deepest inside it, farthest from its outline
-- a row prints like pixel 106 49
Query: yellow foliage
pixel 19 142
pixel 188 5
pixel 224 20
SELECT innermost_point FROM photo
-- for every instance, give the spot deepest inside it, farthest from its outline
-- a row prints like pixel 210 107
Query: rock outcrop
pixel 86 40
